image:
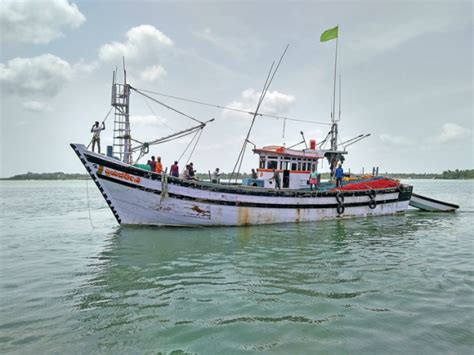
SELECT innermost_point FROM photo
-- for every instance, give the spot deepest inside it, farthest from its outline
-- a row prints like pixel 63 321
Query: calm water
pixel 401 284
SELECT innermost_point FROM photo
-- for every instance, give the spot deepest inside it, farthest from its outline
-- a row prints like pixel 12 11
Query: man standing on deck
pixel 153 163
pixel 192 171
pixel 313 178
pixel 254 174
pixel 339 176
pixel 276 177
pixel 174 169
pixel 215 176
pixel 95 130
pixel 159 166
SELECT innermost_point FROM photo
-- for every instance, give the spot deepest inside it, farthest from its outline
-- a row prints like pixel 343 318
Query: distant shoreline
pixel 446 175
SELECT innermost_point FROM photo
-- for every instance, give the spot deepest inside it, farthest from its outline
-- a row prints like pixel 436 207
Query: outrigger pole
pixel 266 86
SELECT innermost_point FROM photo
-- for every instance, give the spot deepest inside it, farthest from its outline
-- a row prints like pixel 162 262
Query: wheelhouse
pixel 293 166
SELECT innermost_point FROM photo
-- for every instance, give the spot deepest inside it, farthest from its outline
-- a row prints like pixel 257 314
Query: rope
pixel 187 147
pixel 165 105
pixel 153 112
pixel 88 204
pixel 234 109
pixel 195 144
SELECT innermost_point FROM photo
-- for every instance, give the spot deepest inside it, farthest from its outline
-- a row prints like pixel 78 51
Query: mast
pixel 122 143
pixel 333 114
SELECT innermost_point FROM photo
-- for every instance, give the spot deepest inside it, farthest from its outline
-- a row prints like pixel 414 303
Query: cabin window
pixel 294 166
pixel 303 167
pixel 262 163
pixel 272 164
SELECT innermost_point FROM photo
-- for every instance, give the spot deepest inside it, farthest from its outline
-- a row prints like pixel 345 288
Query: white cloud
pixel 42 76
pixel 451 132
pixel 395 140
pixel 143 45
pixel 142 50
pixel 37 22
pixel 275 103
pixel 35 106
pixel 153 73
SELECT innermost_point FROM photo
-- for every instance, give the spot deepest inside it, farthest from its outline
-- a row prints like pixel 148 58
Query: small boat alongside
pixel 430 204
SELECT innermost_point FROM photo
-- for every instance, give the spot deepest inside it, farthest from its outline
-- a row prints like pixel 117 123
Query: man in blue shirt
pixel 339 176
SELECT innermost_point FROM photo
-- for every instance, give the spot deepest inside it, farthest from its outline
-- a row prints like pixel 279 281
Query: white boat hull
pixel 429 204
pixel 139 197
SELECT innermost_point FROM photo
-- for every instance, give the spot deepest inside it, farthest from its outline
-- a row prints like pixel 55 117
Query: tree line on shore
pixel 448 174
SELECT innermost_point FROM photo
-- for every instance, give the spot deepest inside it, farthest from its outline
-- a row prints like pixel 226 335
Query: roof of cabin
pixel 293 153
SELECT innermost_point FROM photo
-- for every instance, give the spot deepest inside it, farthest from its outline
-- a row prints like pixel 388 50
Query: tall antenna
pixel 339 98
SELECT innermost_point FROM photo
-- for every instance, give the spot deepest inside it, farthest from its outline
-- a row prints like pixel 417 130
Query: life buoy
pixel 372 204
pixel 372 193
pixel 340 209
pixel 339 197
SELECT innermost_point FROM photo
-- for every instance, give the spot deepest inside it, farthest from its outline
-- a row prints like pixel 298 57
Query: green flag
pixel 329 34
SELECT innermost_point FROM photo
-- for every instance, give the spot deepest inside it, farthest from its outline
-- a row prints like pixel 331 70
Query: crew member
pixel 159 167
pixel 313 178
pixel 152 163
pixel 215 176
pixel 95 130
pixel 276 177
pixel 174 169
pixel 254 174
pixel 339 176
pixel 192 171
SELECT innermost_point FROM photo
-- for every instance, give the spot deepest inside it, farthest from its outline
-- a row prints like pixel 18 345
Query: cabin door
pixel 286 179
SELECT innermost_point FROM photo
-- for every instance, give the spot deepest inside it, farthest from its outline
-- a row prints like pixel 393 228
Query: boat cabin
pixel 293 166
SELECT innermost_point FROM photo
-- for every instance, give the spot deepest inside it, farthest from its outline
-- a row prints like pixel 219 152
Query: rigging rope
pixel 165 105
pixel 233 109
pixel 153 112
pixel 187 147
pixel 266 86
pixel 195 144
pixel 88 204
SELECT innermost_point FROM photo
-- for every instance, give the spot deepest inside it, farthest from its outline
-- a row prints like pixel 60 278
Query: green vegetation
pixel 48 176
pixel 456 175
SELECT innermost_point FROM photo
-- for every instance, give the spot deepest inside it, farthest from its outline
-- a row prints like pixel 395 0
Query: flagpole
pixel 333 118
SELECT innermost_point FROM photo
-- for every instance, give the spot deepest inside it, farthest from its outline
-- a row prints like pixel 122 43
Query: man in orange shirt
pixel 159 167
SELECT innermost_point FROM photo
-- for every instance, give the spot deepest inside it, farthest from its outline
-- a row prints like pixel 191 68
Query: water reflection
pixel 206 278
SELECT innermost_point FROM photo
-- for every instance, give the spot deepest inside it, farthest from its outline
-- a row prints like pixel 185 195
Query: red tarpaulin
pixel 371 184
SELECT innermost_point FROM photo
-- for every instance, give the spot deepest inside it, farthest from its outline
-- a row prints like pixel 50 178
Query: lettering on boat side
pixel 122 175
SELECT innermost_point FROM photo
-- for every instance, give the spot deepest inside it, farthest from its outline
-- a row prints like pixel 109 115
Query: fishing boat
pixel 138 196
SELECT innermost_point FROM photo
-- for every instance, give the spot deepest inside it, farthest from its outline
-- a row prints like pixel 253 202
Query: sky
pixel 406 71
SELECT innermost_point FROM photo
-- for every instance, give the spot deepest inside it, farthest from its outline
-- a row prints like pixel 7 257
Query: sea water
pixel 73 281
